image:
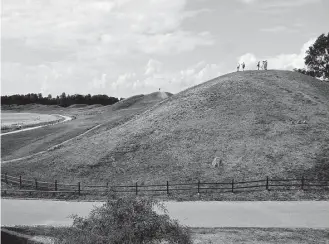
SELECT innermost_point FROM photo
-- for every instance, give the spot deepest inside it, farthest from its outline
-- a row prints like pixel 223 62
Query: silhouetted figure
pixel 159 89
pixel 243 66
pixel 238 67
pixel 265 65
pixel 258 65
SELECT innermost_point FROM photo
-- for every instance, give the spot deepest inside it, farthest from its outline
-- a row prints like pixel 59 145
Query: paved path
pixel 66 118
pixel 303 214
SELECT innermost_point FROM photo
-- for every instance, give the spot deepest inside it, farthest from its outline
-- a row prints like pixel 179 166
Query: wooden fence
pixel 24 185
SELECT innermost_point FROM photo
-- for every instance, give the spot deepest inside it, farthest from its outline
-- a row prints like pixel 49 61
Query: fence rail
pixel 36 186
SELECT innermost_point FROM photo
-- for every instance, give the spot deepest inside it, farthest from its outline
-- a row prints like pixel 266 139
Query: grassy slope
pixel 30 142
pixel 248 119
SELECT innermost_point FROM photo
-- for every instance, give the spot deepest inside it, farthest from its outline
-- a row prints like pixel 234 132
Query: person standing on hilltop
pixel 238 67
pixel 243 66
pixel 258 65
pixel 265 65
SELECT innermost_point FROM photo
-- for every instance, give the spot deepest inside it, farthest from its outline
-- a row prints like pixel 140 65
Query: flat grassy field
pixel 12 121
pixel 223 235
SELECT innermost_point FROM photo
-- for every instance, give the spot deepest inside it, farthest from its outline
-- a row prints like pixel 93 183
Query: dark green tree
pixel 317 58
pixel 62 100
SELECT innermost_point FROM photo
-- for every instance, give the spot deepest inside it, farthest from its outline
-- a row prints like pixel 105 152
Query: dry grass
pixel 253 121
pixel 259 236
pixel 85 117
pixel 222 235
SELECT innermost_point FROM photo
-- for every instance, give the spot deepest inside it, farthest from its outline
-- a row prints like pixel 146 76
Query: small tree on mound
pixel 125 220
pixel 317 59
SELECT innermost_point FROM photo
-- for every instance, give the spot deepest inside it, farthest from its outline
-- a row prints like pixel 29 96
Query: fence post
pixel 136 189
pixel 36 183
pixel 167 187
pixel 198 186
pixel 20 182
pixel 6 178
pixel 55 185
pixel 266 182
pixel 303 182
pixel 232 185
pixel 79 188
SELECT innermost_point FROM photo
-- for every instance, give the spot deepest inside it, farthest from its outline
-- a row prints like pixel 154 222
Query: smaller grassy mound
pixel 78 105
pixel 125 103
pixel 141 100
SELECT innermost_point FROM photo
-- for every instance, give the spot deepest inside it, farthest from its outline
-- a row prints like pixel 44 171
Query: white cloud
pixel 152 66
pixel 288 3
pixel 248 1
pixel 277 7
pixel 108 27
pixel 88 43
pixel 247 58
pixel 174 81
pixel 280 3
pixel 278 28
pixel 281 61
pixel 99 83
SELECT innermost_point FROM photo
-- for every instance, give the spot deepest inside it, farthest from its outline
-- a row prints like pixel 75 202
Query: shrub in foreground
pixel 125 220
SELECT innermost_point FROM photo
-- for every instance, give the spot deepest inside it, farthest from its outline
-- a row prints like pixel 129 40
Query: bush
pixel 125 220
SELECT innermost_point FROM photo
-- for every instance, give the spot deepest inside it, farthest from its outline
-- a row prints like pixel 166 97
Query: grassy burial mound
pixel 258 123
pixel 141 100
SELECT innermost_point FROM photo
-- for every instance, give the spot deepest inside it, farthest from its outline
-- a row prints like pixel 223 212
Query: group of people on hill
pixel 263 66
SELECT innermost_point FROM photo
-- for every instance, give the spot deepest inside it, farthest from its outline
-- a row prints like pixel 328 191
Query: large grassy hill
pixel 259 123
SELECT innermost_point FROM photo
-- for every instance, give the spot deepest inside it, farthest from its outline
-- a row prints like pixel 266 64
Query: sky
pixel 123 48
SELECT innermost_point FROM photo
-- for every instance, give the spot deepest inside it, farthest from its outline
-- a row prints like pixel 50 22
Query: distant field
pixel 20 120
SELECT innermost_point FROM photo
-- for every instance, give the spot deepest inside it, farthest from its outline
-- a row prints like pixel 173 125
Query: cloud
pixel 281 61
pixel 247 58
pixel 277 28
pixel 288 3
pixel 280 3
pixel 111 28
pixel 99 83
pixel 153 66
pixel 248 1
pixel 276 6
pixel 172 81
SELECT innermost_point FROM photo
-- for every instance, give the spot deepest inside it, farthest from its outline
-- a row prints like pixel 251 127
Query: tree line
pixel 63 100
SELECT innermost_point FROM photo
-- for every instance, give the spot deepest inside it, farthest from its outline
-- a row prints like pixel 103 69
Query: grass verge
pixel 221 235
